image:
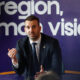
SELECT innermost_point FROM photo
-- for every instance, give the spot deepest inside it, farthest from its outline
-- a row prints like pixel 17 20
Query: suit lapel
pixel 42 52
pixel 28 48
pixel 27 45
pixel 29 56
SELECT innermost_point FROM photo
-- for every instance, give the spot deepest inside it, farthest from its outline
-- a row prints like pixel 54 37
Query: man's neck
pixel 39 39
pixel 36 39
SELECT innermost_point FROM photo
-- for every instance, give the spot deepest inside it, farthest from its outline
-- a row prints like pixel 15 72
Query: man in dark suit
pixel 36 53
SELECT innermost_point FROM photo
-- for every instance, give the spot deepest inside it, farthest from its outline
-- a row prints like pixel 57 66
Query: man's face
pixel 32 29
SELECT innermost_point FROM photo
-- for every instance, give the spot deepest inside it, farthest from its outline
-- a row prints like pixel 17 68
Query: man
pixel 36 53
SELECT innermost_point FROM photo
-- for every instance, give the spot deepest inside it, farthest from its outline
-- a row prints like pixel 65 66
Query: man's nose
pixel 31 29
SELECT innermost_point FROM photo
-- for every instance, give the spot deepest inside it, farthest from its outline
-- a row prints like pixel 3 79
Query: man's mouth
pixel 32 35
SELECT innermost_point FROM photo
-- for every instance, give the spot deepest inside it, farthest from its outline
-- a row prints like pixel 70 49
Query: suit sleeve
pixel 20 57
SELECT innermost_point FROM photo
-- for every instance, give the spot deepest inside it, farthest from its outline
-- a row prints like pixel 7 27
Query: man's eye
pixel 33 26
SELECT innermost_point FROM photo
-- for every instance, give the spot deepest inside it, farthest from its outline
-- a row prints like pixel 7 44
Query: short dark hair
pixel 31 18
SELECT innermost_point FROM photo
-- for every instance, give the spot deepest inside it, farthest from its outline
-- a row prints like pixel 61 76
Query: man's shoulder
pixel 50 41
pixel 22 40
pixel 48 38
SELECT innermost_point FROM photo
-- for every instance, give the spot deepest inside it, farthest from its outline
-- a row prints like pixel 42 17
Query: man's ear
pixel 40 28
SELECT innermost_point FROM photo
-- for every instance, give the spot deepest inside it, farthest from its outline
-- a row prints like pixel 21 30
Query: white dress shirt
pixel 37 46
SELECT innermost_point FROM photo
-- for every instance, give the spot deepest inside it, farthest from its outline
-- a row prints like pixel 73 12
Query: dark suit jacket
pixel 49 56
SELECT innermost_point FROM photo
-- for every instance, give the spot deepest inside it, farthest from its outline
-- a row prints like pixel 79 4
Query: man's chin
pixel 33 38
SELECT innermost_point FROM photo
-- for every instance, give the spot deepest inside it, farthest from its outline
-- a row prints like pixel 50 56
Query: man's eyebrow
pixel 26 26
pixel 33 25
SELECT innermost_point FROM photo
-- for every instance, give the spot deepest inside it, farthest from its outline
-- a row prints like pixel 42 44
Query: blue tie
pixel 35 60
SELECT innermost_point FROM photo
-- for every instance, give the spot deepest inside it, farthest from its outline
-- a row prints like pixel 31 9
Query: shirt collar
pixel 37 41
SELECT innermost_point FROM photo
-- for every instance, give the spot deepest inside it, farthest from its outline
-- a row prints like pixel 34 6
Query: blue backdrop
pixel 58 18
